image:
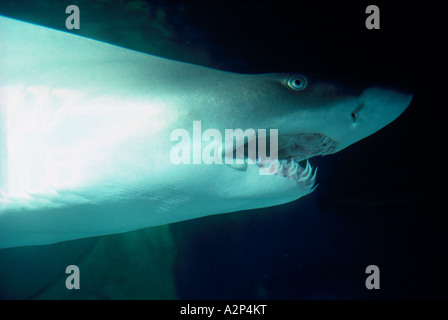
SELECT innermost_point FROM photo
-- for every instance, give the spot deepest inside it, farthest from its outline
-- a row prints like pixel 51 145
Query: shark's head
pixel 338 113
pixel 314 116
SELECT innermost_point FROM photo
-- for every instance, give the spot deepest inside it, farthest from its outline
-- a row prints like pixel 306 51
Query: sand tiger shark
pixel 85 135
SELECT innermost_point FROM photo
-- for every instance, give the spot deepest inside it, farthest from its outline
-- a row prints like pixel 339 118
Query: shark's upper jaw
pixel 303 146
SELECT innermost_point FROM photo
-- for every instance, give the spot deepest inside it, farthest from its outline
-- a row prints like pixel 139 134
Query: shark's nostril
pixel 354 114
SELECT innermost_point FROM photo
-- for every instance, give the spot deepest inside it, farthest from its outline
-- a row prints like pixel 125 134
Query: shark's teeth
pixel 313 188
pixel 306 174
pixel 280 167
pixel 294 171
pixel 291 169
pixel 267 164
pixel 312 180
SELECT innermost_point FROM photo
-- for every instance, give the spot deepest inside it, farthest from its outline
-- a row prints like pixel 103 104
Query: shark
pixel 85 132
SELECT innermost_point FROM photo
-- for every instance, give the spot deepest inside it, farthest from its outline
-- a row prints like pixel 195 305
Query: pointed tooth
pixel 310 172
pixel 313 188
pixel 306 174
pixel 313 178
pixel 306 171
pixel 280 167
pixel 293 170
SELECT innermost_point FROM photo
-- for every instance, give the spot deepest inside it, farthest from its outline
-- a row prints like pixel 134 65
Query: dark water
pixel 380 201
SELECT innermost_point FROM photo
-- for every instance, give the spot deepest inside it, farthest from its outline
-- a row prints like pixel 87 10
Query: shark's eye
pixel 297 82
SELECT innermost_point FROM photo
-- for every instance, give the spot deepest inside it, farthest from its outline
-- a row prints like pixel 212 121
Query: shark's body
pixel 85 135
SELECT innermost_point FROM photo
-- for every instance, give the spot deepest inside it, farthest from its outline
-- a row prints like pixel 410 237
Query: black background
pixel 381 201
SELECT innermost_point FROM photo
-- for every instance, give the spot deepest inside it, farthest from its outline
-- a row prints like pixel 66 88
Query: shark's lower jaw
pixel 294 149
pixel 293 170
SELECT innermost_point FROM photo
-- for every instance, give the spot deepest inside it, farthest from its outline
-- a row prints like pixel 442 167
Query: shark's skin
pixel 85 135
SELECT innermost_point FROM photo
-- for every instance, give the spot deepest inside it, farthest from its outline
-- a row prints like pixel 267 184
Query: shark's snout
pixel 385 104
pixel 374 109
pixel 327 118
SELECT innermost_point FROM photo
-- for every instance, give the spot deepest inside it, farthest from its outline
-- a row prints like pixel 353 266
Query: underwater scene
pixel 354 94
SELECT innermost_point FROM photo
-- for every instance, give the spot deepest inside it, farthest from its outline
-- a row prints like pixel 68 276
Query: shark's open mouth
pixel 304 145
pixel 294 150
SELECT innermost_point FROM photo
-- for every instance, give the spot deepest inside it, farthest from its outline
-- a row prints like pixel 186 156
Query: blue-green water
pixel 376 202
